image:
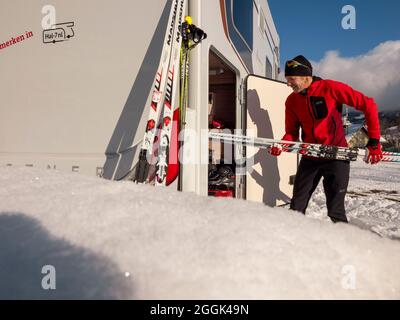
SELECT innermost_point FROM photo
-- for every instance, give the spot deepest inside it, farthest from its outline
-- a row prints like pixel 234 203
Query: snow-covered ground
pixel 120 240
pixel 373 199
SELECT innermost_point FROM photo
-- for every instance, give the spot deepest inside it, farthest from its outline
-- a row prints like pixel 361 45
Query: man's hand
pixel 275 150
pixel 373 153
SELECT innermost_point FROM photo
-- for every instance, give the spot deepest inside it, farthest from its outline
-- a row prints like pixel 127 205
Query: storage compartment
pixel 221 118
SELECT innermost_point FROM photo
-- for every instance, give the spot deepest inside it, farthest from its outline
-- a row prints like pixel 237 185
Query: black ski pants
pixel 336 179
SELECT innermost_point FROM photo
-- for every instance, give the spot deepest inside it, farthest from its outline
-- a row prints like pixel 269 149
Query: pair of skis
pixel 163 97
pixel 307 149
pixel 166 104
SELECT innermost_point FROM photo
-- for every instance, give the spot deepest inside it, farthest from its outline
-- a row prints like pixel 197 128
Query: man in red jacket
pixel 315 107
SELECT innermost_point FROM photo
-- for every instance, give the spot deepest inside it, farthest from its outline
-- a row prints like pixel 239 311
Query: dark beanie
pixel 298 66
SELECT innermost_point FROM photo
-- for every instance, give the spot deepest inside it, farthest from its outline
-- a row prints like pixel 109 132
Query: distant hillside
pixel 387 119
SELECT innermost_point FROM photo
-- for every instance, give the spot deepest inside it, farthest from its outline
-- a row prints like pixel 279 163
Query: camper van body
pixel 75 93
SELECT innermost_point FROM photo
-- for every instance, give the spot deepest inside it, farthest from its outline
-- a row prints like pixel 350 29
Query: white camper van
pixel 76 78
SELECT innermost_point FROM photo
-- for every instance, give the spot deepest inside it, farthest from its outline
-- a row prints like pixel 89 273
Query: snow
pixel 119 240
pixel 373 199
pixel 394 128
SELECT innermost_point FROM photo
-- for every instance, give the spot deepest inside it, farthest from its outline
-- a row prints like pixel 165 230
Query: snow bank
pixel 372 201
pixel 121 240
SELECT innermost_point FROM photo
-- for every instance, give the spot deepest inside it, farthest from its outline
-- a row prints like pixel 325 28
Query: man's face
pixel 297 83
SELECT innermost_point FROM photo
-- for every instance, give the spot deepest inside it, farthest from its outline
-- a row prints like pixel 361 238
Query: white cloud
pixel 376 73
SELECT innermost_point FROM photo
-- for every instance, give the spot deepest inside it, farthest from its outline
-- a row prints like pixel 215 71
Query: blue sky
pixel 311 27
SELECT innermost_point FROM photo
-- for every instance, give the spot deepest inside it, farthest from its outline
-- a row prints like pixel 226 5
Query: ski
pixel 389 153
pixel 394 159
pixel 386 154
pixel 175 105
pixel 158 94
pixel 170 102
pixel 307 149
pixel 303 148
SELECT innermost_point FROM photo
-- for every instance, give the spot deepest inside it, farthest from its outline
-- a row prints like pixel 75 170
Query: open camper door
pixel 268 179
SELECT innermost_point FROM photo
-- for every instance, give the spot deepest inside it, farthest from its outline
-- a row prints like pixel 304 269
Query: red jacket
pixel 319 113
